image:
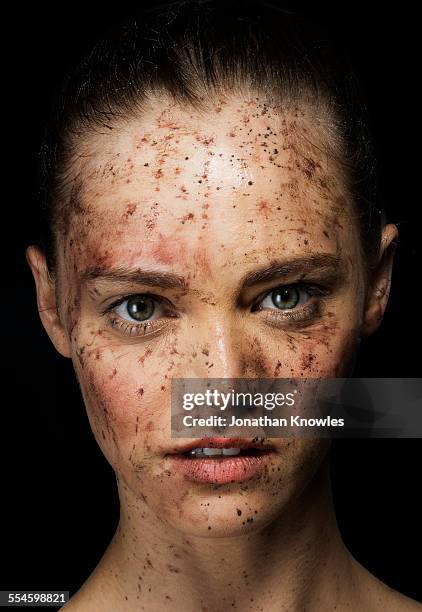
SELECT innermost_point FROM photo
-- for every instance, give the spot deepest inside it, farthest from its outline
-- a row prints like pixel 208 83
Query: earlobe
pixel 46 300
pixel 380 290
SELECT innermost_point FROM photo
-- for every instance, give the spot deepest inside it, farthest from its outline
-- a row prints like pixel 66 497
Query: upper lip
pixel 223 443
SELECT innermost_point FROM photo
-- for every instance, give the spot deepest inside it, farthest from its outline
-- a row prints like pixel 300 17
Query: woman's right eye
pixel 137 308
pixel 138 315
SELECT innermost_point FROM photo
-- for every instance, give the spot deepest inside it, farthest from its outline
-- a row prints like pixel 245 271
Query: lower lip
pixel 222 470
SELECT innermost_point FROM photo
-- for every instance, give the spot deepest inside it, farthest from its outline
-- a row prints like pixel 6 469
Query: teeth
pixel 213 452
pixel 210 452
pixel 196 452
pixel 231 451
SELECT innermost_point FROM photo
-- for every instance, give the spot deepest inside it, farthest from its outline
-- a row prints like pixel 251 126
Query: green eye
pixel 139 308
pixel 285 297
pixel 139 315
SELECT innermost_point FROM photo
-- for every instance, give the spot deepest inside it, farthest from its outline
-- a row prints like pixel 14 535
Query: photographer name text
pixel 261 421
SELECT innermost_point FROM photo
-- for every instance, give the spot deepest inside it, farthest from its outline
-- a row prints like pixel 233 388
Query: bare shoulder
pixel 394 600
pixel 379 597
pixel 81 602
pixel 93 595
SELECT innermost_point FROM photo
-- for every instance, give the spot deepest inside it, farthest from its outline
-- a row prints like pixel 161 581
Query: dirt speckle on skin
pixel 263 207
pixel 130 209
pixel 188 217
pixel 308 361
pixel 277 369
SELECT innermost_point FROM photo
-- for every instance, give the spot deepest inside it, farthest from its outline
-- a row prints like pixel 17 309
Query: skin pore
pixel 185 207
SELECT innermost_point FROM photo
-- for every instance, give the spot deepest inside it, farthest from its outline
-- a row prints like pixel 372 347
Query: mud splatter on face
pixel 184 233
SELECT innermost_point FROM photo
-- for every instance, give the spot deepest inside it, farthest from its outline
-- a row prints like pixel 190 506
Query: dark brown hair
pixel 193 50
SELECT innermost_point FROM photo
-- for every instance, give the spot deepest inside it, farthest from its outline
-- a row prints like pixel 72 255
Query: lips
pixel 223 443
pixel 220 460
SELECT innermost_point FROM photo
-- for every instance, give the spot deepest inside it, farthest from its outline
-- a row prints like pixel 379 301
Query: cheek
pixel 121 401
pixel 324 352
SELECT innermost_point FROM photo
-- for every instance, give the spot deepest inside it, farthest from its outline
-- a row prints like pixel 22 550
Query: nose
pixel 222 347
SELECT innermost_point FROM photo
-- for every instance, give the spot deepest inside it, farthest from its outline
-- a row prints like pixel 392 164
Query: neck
pixel 297 562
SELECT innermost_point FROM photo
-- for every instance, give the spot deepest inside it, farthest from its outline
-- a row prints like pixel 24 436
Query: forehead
pixel 246 177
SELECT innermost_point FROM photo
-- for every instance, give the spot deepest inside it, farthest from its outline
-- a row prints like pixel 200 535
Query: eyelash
pixel 303 315
pixel 142 328
pixel 297 316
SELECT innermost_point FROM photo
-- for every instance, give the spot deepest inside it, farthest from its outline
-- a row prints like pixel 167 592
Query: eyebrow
pixel 323 263
pixel 138 276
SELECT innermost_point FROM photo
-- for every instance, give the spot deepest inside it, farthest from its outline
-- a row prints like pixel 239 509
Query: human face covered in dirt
pixel 173 215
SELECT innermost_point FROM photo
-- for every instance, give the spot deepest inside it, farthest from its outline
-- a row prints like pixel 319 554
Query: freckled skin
pixel 210 198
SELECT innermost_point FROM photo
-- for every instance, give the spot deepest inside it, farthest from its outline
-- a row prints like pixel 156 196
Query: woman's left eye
pixel 287 297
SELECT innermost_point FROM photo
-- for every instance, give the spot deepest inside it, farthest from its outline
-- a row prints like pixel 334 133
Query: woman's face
pixel 201 203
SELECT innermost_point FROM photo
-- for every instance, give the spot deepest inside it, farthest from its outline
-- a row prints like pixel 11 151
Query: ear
pixel 46 299
pixel 377 297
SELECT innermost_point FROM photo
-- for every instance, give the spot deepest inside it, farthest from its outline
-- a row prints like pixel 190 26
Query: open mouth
pixel 221 453
pixel 222 461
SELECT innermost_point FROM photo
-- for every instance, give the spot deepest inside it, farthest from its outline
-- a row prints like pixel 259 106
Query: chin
pixel 229 510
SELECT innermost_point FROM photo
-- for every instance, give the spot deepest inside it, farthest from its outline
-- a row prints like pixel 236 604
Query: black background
pixel 59 503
